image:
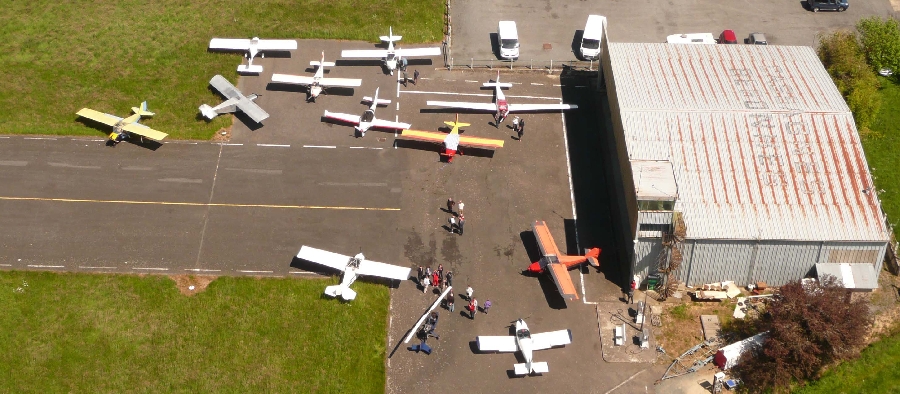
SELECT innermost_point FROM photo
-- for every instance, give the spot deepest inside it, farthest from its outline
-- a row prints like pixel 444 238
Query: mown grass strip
pixel 121 333
pixel 60 56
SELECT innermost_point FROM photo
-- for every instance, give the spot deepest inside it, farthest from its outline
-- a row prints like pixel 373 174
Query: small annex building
pixel 738 162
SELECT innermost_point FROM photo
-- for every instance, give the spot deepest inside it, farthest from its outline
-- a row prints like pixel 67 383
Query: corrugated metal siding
pixel 646 252
pixel 715 261
pixel 655 217
pixel 762 143
pixel 780 262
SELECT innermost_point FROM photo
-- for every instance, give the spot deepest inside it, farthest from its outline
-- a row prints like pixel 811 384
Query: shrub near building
pixel 843 57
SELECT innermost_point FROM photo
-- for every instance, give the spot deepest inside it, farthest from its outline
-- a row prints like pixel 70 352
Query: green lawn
pixel 60 56
pixel 874 372
pixel 118 333
pixel 882 149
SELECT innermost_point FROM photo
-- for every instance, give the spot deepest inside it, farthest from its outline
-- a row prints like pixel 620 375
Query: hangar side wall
pixel 625 178
pixel 749 261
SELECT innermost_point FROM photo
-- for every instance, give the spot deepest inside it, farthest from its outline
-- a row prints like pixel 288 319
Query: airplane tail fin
pixel 345 293
pixel 391 37
pixel 497 83
pixel 142 110
pixel 456 124
pixel 208 112
pixel 322 63
pixel 376 100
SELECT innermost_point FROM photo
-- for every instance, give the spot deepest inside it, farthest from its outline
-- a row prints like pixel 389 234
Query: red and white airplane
pixel 526 342
pixel 352 267
pixel 316 83
pixel 501 107
pixel 453 140
pixel 367 120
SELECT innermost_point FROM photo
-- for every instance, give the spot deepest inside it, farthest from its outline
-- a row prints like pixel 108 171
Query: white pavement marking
pixel 471 81
pixel 557 85
pixel 276 145
pixel 372 184
pixel 626 381
pixel 179 142
pixel 320 146
pixel 66 165
pixel 398 105
pixel 45 266
pixel 480 95
pixel 227 144
pixel 136 168
pixel 5 265
pixel 97 268
pixel 376 148
pixel 424 78
pixel 256 272
pixel 303 273
pixel 256 171
pixel 150 268
pixel 40 138
pixel 200 270
pixel 13 163
pixel 8 137
pixel 536 84
pixel 180 180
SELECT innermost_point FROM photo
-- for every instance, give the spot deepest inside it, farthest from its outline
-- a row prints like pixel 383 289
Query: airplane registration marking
pixel 198 204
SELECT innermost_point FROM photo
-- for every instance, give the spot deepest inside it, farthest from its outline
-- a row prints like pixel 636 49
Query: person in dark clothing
pixel 462 222
pixel 521 129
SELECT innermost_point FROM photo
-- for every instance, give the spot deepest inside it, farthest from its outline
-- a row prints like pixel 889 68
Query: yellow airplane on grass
pixel 452 141
pixel 123 128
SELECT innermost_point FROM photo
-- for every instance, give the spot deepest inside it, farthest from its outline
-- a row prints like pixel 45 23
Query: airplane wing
pixel 323 257
pixel 546 340
pixel 386 124
pixel 229 43
pixel 98 116
pixel 368 53
pixel 144 131
pixel 374 268
pixel 277 45
pixel 345 82
pixel 505 343
pixel 539 107
pixel 252 110
pixel 342 117
pixel 459 104
pixel 293 79
pixel 431 136
pixel 223 86
pixel 563 280
pixel 410 52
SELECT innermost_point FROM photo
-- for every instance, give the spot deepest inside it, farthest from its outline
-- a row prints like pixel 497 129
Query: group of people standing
pixel 435 278
pixel 457 219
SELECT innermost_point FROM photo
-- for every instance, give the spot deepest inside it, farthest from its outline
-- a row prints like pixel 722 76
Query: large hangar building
pixel 739 162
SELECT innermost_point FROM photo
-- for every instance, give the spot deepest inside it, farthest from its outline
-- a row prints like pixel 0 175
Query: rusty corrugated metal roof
pixel 762 144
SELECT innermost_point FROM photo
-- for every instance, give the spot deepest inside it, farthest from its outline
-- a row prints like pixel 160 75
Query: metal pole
pixel 551 66
pixel 471 63
pixel 510 64
pixel 492 64
pixel 532 65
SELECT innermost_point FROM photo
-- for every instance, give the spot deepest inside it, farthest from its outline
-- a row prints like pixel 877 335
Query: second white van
pixel 508 40
pixel 593 34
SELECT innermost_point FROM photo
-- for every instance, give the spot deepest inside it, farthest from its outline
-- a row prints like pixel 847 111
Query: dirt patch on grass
pixel 192 284
pixel 681 328
pixel 224 134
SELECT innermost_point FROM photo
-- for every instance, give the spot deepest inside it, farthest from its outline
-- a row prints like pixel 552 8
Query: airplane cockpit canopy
pixel 368 116
pixel 523 333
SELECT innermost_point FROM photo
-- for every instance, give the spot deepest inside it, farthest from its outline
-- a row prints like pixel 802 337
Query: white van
pixel 593 34
pixel 691 38
pixel 508 39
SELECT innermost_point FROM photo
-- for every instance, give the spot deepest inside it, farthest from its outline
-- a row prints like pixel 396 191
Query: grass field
pixel 881 149
pixel 874 372
pixel 60 56
pixel 116 333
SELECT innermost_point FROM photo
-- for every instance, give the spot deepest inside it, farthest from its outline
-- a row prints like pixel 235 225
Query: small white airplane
pixel 316 83
pixel 526 342
pixel 352 267
pixel 367 120
pixel 123 128
pixel 235 100
pixel 390 56
pixel 501 107
pixel 252 46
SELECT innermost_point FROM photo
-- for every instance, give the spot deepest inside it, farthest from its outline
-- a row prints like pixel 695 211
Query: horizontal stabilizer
pixel 317 63
pixel 380 101
pixel 208 112
pixel 345 293
pixel 540 367
pixel 521 369
pixel 250 69
pixel 391 38
pixel 493 84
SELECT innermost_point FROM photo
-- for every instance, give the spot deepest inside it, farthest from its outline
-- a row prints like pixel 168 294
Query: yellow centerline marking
pixel 197 204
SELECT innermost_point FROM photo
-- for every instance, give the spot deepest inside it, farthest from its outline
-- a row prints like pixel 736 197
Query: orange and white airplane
pixel 557 263
pixel 452 141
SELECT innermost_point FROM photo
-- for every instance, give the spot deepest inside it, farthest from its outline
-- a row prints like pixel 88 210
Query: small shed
pixel 728 356
pixel 856 277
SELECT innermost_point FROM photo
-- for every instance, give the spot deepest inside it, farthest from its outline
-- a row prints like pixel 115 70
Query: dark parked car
pixel 828 5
